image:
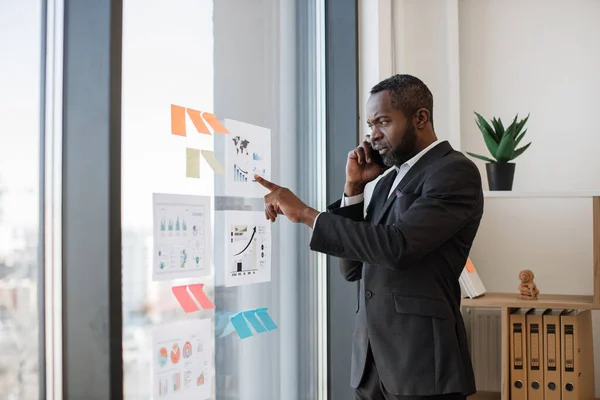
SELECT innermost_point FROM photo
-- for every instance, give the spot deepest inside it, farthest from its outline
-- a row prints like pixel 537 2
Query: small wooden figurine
pixel 528 289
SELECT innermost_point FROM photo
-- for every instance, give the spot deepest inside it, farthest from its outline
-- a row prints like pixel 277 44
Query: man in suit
pixel 407 252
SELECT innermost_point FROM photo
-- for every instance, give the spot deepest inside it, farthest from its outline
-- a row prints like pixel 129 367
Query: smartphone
pixel 375 156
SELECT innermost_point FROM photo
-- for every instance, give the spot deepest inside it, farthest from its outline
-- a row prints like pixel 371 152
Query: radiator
pixel 484 332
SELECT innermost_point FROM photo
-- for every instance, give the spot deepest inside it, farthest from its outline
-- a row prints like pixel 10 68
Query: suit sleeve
pixel 351 269
pixel 450 196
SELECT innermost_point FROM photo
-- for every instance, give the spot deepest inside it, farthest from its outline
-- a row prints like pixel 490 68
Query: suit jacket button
pixel 368 294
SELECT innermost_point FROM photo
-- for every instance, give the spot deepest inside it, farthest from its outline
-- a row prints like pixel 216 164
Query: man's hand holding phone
pixel 364 165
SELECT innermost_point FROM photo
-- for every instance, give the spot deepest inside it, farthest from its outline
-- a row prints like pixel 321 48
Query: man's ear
pixel 422 117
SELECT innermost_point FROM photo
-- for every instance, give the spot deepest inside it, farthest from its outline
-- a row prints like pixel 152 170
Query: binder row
pixel 551 355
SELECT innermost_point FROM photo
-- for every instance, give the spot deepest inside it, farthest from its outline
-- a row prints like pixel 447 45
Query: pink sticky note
pixel 198 292
pixel 184 298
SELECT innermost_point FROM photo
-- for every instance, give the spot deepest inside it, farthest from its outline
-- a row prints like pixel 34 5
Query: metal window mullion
pixel 90 205
pixel 51 387
pixel 342 129
pixel 321 196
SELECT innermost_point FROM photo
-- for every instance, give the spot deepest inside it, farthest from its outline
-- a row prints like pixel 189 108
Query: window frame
pixel 82 321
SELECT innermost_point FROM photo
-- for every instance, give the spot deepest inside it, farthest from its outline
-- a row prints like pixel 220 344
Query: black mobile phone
pixel 375 156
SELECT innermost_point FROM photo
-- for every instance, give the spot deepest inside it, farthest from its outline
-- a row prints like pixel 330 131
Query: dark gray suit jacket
pixel 408 253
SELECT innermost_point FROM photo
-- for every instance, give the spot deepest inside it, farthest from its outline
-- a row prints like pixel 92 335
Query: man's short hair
pixel 407 93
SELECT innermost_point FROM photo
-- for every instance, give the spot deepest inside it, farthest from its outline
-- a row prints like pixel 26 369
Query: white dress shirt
pixel 402 171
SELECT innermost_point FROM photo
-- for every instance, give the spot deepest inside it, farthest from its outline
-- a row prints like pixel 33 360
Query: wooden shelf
pixel 489 396
pixel 541 194
pixel 512 300
pixel 485 396
pixel 507 301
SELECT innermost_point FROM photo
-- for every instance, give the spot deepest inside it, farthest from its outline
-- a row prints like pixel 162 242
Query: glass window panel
pixel 20 71
pixel 229 58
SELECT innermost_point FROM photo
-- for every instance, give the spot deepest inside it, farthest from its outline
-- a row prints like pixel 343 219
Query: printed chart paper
pixel 181 236
pixel 248 152
pixel 248 248
pixel 183 361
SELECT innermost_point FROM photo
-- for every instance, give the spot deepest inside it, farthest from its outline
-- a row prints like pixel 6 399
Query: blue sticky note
pixel 241 327
pixel 223 325
pixel 227 331
pixel 266 319
pixel 251 317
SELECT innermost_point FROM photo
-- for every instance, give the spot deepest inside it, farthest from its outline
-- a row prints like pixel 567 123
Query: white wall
pixel 499 58
pixel 540 57
pixel 375 50
pixel 427 38
pixel 421 39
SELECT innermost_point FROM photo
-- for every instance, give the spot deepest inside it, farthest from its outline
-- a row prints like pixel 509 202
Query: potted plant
pixel 502 145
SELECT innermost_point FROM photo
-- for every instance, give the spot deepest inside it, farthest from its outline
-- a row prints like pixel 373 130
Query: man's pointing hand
pixel 282 201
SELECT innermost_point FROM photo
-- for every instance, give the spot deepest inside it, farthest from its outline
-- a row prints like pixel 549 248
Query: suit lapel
pixel 378 198
pixel 435 153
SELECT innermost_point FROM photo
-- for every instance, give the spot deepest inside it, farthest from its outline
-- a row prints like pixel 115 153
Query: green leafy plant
pixel 502 143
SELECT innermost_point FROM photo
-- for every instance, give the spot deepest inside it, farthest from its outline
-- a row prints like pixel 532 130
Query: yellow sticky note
pixel 209 156
pixel 192 165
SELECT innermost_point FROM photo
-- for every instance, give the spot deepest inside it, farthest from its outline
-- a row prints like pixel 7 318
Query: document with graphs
pixel 182 236
pixel 248 248
pixel 248 152
pixel 183 361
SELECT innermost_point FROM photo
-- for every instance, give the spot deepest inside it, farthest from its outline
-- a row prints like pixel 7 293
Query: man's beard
pixel 404 151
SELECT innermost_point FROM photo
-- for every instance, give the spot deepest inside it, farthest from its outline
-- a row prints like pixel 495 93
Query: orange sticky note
pixel 212 120
pixel 197 120
pixel 469 266
pixel 198 292
pixel 184 299
pixel 177 120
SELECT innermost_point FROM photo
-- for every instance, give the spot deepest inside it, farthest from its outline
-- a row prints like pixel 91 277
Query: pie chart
pixel 163 356
pixel 187 350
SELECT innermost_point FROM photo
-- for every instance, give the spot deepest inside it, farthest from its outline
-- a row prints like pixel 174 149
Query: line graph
pixel 249 244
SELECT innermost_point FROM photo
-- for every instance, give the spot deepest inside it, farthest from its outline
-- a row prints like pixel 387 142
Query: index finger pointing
pixel 265 183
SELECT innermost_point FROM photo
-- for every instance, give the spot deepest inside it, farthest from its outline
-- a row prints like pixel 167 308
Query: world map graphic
pixel 241 145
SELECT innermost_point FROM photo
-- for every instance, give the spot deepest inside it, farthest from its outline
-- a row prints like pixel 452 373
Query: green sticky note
pixel 210 158
pixel 192 164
